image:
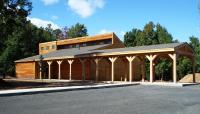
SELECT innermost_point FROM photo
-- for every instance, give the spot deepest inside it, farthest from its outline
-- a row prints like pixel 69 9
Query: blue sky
pixel 180 17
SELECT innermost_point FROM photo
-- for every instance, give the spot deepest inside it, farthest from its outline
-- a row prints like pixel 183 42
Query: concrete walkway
pixel 58 89
pixel 71 88
pixel 170 84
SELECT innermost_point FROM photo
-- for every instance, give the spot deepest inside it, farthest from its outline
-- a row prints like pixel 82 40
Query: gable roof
pixel 95 51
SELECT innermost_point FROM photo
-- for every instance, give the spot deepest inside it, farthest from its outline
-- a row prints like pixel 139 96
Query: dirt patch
pixel 189 78
pixel 15 84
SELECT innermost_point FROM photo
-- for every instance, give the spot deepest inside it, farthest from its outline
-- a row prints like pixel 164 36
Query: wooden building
pixel 100 58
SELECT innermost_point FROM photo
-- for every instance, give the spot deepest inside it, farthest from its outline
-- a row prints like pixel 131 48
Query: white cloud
pixel 103 31
pixel 49 2
pixel 43 23
pixel 54 17
pixel 85 8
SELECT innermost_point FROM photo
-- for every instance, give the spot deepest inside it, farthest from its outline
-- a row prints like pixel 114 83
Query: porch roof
pixel 96 51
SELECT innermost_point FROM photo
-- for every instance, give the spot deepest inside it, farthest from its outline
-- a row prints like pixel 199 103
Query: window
pixel 42 48
pixel 107 42
pixel 84 44
pixel 47 47
pixel 94 43
pixel 77 45
pixel 53 47
pixel 101 43
pixel 73 46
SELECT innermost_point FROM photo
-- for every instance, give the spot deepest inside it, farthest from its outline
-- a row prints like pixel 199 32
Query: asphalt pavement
pixel 137 99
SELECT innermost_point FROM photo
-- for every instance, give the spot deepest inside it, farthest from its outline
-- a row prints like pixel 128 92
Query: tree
pixel 130 38
pixel 195 44
pixel 13 14
pixel 19 37
pixel 77 30
pixel 151 34
pixel 184 66
pixel 163 68
pixel 162 35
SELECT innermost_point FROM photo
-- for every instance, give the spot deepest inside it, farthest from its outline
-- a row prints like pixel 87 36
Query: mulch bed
pixel 15 84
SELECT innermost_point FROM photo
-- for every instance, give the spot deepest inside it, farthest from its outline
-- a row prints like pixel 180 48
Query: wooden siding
pixel 116 40
pixel 25 70
pixel 45 45
pixel 85 39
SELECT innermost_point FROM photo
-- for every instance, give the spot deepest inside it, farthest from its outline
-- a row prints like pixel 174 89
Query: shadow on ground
pixel 16 84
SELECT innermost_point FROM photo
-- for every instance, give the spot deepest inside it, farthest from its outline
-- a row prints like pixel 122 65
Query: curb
pixel 169 84
pixel 59 89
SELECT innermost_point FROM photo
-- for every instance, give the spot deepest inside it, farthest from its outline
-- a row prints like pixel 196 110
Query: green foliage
pixel 184 66
pixel 163 69
pixel 151 34
pixel 157 34
pixel 162 35
pixel 19 38
pixel 77 30
pixel 195 44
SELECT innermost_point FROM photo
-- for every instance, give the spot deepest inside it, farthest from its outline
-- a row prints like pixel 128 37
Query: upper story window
pixel 73 46
pixel 107 42
pixel 101 43
pixel 47 47
pixel 94 43
pixel 84 44
pixel 42 48
pixel 53 47
pixel 77 45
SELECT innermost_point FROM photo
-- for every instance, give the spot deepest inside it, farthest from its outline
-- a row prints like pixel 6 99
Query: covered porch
pixel 120 64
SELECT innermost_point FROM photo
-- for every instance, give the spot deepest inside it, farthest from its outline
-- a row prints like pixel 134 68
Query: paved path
pixel 59 89
pixel 122 100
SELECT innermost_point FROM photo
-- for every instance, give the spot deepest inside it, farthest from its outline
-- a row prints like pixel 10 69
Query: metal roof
pixel 64 53
pixel 147 47
pixel 76 52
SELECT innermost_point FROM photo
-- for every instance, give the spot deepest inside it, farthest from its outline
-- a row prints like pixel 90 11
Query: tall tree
pixel 150 34
pixel 130 37
pixel 162 35
pixel 13 14
pixel 195 44
pixel 19 37
pixel 77 30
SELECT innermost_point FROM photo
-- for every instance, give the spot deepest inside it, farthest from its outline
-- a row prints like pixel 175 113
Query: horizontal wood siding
pixel 85 39
pixel 25 70
pixel 45 45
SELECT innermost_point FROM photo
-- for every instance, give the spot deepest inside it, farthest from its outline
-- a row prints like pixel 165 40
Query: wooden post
pixel 193 70
pixel 130 59
pixel 97 68
pixel 70 68
pixel 59 67
pixel 143 69
pixel 112 59
pixel 49 63
pixel 174 57
pixel 151 59
pixel 83 68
